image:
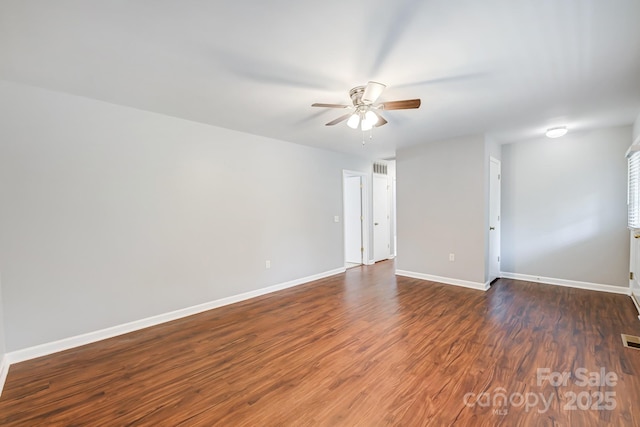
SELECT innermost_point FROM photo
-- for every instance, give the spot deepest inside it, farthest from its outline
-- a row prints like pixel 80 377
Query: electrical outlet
pixel 267 264
pixel 452 257
pixel 336 218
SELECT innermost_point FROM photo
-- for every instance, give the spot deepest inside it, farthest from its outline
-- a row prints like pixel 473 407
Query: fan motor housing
pixel 356 95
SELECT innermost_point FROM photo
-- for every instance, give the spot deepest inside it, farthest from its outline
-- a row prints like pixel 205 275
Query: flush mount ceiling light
pixel 556 132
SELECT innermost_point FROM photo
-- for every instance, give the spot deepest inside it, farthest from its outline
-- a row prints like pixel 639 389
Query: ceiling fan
pixel 367 113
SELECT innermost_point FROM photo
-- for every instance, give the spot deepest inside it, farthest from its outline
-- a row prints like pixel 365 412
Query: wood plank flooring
pixel 364 348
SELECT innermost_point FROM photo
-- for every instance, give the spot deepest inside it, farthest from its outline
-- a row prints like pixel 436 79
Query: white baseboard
pixel 567 283
pixel 447 280
pixel 4 370
pixel 90 337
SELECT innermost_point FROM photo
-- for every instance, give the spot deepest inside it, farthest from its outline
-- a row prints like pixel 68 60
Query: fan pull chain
pixel 370 136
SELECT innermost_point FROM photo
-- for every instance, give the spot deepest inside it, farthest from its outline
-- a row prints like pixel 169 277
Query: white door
pixel 494 219
pixel 353 246
pixel 381 228
pixel 634 281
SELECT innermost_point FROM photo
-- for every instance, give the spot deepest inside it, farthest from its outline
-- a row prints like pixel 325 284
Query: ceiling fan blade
pixel 453 78
pixel 381 121
pixel 318 104
pixel 372 92
pixel 339 119
pixel 401 105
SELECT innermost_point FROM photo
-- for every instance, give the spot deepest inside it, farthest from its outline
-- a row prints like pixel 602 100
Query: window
pixel 633 197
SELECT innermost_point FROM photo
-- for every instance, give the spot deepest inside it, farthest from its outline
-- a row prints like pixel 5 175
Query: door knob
pixel 491 228
pixel 375 223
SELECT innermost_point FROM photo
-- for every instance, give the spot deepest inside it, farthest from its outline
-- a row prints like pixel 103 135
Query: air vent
pixel 631 341
pixel 380 168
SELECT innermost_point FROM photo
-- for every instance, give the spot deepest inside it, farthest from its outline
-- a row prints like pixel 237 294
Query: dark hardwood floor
pixel 364 348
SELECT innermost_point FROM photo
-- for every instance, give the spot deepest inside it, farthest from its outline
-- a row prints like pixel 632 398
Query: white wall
pixel 564 207
pixel 441 208
pixel 636 128
pixel 112 214
pixel 3 347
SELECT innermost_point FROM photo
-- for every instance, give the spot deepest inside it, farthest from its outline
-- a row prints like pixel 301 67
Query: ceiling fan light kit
pixel 371 118
pixel 354 121
pixel 366 125
pixel 366 115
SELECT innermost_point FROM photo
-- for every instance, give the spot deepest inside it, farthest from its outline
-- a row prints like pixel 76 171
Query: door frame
pixel 634 267
pixel 364 200
pixel 498 228
pixel 387 229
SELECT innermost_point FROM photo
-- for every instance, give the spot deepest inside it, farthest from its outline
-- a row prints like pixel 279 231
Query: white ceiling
pixel 506 68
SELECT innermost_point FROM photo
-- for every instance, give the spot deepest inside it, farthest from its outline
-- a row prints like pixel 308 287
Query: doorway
pixel 354 215
pixel 381 214
pixel 494 218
